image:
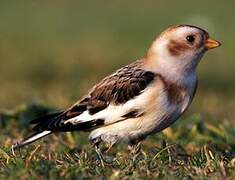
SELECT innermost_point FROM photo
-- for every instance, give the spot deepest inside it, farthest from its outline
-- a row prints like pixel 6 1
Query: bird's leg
pixel 99 153
pixel 134 151
pixel 96 143
pixel 165 145
pixel 110 145
pixel 135 148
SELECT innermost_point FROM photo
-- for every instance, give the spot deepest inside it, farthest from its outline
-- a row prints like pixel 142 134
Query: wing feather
pixel 105 102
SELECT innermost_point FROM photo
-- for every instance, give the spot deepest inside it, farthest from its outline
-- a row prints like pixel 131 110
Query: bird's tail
pixel 36 136
pixel 41 127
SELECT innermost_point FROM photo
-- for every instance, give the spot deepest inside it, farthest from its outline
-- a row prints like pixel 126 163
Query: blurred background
pixel 52 52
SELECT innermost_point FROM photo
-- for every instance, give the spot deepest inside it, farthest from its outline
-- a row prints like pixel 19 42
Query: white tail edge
pixel 31 139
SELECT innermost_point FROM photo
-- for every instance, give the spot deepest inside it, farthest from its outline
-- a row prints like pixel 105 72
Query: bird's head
pixel 180 48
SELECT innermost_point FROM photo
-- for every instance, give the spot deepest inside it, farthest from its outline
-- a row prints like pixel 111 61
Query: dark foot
pixel 100 155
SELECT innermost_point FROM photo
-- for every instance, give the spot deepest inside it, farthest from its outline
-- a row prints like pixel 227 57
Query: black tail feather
pixel 43 118
pixel 49 122
pixel 43 127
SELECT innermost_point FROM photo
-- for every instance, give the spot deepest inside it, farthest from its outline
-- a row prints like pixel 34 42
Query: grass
pixel 192 148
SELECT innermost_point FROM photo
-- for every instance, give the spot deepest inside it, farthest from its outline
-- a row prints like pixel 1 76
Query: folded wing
pixel 105 104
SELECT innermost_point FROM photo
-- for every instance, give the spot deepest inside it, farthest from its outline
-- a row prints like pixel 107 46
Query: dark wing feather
pixel 124 85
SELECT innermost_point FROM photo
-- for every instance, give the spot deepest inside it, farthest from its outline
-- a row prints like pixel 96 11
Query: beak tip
pixel 211 43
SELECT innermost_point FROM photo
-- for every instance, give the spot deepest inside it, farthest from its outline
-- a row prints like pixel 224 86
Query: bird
pixel 139 99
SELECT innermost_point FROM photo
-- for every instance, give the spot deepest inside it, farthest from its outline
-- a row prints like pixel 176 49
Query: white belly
pixel 158 114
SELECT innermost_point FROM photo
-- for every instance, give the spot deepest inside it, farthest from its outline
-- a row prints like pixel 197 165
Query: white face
pixel 180 48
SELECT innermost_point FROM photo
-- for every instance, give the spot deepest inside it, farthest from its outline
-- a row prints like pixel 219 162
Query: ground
pixel 192 148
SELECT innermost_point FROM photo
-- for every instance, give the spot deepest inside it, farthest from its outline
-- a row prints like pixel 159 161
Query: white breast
pixel 158 113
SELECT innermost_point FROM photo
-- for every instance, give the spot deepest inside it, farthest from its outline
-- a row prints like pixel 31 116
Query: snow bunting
pixel 139 99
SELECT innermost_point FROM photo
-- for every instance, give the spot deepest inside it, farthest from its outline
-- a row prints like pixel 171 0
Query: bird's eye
pixel 190 38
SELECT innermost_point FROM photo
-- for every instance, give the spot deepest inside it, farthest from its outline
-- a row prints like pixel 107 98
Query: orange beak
pixel 211 43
